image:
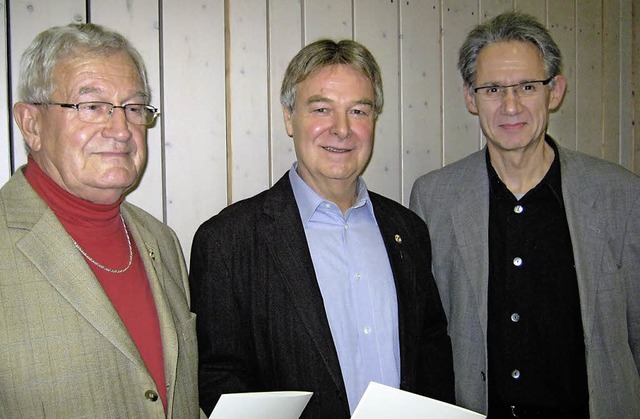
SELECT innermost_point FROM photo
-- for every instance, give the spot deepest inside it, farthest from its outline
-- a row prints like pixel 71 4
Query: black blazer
pixel 260 315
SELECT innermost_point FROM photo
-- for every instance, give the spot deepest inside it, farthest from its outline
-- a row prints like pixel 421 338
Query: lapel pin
pixel 398 239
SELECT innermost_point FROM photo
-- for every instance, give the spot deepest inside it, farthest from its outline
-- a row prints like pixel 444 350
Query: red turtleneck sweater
pixel 99 231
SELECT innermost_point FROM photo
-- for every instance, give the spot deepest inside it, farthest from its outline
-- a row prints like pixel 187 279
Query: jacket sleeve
pixel 224 342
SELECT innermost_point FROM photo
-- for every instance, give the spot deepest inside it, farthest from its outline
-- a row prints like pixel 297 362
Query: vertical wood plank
pixel 376 27
pixel 193 113
pixel 285 40
pixel 28 18
pixel 537 8
pixel 625 28
pixel 138 21
pixel 611 93
pixel 249 163
pixel 636 86
pixel 5 105
pixel 562 26
pixel 327 19
pixel 461 129
pixel 492 8
pixel 421 80
pixel 589 95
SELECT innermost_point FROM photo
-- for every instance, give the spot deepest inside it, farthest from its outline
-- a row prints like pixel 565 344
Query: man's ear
pixel 27 117
pixel 557 92
pixel 288 122
pixel 470 99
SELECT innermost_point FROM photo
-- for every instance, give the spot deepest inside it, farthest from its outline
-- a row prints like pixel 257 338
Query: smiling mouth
pixel 513 125
pixel 335 150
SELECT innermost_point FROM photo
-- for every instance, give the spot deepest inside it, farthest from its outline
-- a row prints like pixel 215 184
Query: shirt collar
pixel 309 200
pixel 552 179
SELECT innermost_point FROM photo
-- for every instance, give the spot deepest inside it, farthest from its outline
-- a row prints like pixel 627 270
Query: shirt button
pixel 346 226
pixel 517 261
pixel 151 395
pixel 515 317
pixel 358 275
pixel 366 330
pixel 518 209
pixel 515 374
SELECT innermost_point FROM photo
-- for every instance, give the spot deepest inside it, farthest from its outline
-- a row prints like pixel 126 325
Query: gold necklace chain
pixel 113 271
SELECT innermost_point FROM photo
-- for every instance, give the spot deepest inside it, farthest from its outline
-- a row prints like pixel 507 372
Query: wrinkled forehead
pixel 502 59
pixel 81 74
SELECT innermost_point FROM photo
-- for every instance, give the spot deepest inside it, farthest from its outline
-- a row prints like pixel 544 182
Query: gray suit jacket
pixel 64 351
pixel 602 203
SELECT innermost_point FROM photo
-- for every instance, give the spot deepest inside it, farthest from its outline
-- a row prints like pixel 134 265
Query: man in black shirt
pixel 536 249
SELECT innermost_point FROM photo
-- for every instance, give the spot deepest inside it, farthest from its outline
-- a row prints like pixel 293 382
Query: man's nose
pixel 341 126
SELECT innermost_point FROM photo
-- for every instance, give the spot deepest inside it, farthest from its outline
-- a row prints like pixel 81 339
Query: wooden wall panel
pixel 284 42
pixel 610 80
pixel 537 8
pixel 635 160
pixel 461 133
pixel 626 83
pixel 138 21
pixel 589 81
pixel 216 67
pixel 193 117
pixel 376 26
pixel 492 8
pixel 562 26
pixel 327 19
pixel 27 19
pixel 5 104
pixel 248 117
pixel 421 96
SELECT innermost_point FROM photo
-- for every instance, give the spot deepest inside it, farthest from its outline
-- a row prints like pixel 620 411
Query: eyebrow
pixel 321 99
pixel 85 90
pixel 497 83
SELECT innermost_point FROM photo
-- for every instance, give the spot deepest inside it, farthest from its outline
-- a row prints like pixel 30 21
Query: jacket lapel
pixel 286 240
pixel 471 227
pixel 50 249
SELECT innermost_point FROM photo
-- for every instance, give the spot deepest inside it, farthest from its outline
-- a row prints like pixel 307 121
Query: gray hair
pixel 510 26
pixel 59 43
pixel 325 53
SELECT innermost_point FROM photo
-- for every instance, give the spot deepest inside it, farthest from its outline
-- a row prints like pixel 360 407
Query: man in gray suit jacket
pixel 94 302
pixel 318 284
pixel 536 249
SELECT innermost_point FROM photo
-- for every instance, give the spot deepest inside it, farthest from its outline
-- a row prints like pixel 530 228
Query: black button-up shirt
pixel 535 337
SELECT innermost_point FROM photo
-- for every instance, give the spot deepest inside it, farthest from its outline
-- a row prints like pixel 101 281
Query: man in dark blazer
pixel 318 284
pixel 536 248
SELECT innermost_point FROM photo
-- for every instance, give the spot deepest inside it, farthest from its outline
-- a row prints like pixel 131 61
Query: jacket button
pixel 151 395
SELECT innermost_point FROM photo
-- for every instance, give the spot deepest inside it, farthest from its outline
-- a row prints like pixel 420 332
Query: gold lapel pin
pixel 398 239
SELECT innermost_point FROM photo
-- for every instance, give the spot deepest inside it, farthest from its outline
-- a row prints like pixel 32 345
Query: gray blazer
pixel 64 351
pixel 602 203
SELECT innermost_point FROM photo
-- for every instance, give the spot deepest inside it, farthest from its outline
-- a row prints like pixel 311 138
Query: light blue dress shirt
pixel 357 286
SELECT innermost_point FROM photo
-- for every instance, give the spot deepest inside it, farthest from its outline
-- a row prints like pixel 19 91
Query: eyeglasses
pixel 524 89
pixel 100 112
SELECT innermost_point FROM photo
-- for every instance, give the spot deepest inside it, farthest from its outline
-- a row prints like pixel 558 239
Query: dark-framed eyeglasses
pixel 523 89
pixel 100 112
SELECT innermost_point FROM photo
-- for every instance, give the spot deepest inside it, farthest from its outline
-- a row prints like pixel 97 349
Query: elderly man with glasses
pixel 536 248
pixel 94 302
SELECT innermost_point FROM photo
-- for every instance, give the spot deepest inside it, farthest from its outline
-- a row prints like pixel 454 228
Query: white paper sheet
pixel 383 402
pixel 267 405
